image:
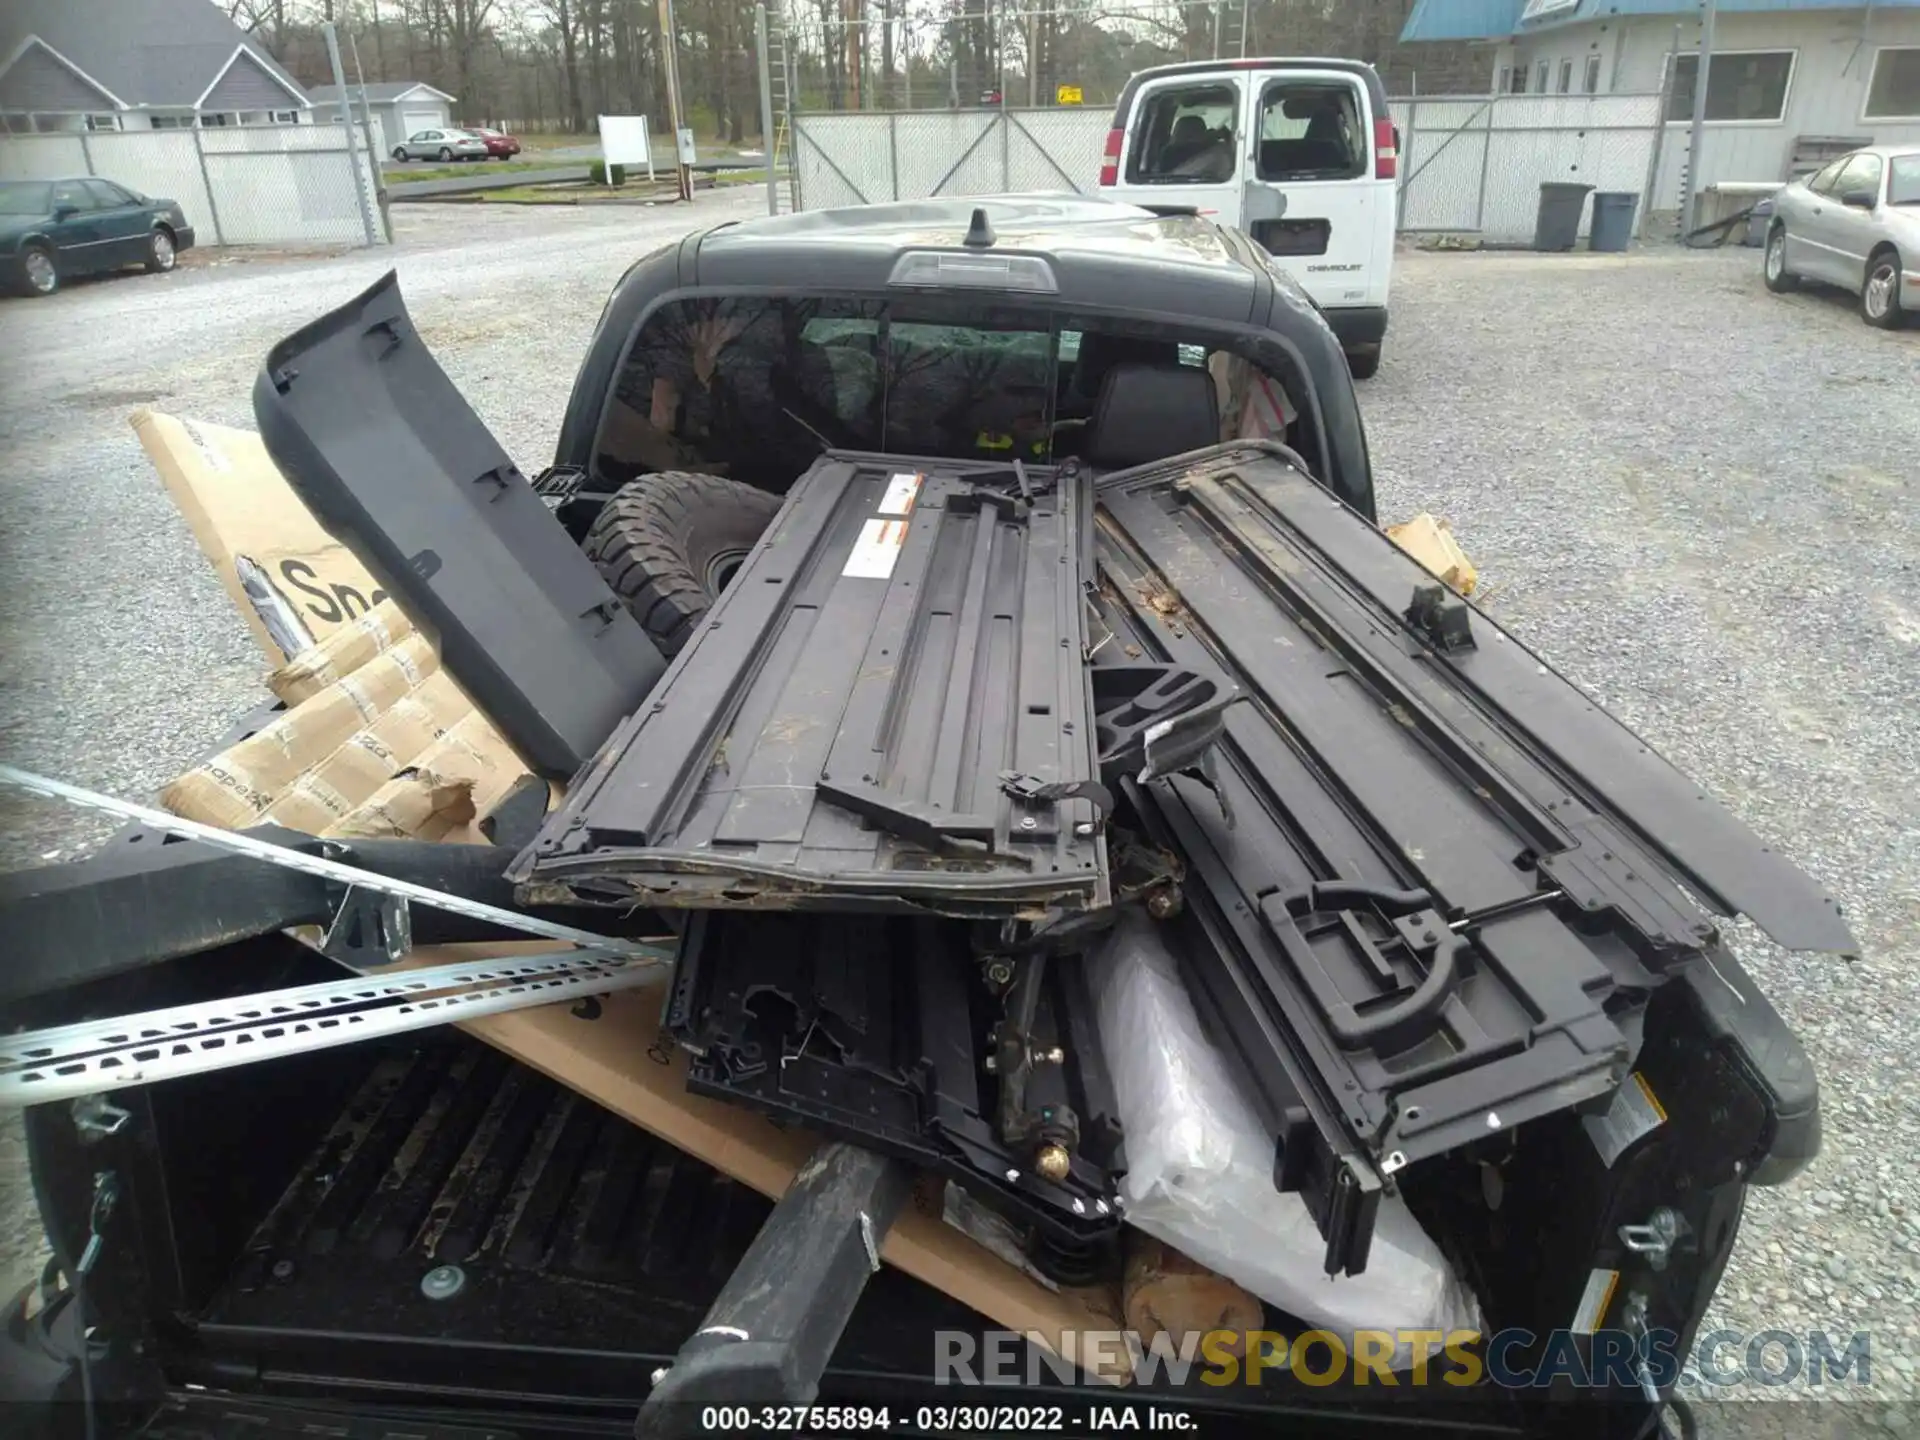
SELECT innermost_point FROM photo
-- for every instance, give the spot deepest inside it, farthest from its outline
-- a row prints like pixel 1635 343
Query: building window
pixel 1506 80
pixel 103 122
pixel 1895 91
pixel 213 121
pixel 1744 86
pixel 16 123
pixel 1592 83
pixel 171 122
pixel 286 117
pixel 1566 77
pixel 1540 73
pixel 1519 79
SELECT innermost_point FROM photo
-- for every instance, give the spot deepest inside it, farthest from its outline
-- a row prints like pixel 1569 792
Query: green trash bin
pixel 1558 224
pixel 1612 226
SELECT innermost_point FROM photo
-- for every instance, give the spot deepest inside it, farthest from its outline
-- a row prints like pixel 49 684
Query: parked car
pixel 500 145
pixel 53 229
pixel 1855 224
pixel 442 145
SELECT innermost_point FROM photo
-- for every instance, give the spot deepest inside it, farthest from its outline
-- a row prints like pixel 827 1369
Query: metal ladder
pixel 1232 21
pixel 776 73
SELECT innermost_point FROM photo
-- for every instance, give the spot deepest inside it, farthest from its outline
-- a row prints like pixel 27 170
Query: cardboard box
pixel 1431 542
pixel 331 790
pixel 238 786
pixel 238 503
pixel 349 646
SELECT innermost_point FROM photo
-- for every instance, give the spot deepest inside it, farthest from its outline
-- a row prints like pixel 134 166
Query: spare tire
pixel 668 543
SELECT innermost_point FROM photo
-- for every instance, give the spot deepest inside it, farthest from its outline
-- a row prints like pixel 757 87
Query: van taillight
pixel 1110 162
pixel 1386 150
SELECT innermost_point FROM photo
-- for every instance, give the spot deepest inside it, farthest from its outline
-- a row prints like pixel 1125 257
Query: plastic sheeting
pixel 1200 1166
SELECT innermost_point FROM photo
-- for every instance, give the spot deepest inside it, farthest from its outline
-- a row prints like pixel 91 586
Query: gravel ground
pixel 1701 503
pixel 1697 499
pixel 121 657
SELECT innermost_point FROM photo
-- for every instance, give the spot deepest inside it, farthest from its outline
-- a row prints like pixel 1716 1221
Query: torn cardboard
pixel 237 503
pixel 238 786
pixel 348 647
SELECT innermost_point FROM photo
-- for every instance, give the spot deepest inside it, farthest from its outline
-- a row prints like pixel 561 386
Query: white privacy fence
pixel 1475 164
pixel 246 185
pixel 860 157
pixel 1472 164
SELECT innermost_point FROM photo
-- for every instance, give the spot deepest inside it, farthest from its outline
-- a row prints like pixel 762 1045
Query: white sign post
pixel 624 140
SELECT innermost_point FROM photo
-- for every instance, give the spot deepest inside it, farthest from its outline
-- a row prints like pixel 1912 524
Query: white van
pixel 1301 154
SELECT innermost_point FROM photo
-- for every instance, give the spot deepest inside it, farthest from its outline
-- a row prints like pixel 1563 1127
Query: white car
pixel 1855 224
pixel 442 145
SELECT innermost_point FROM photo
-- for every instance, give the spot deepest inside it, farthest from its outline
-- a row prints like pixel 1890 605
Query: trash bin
pixel 1558 225
pixel 1757 224
pixel 1612 220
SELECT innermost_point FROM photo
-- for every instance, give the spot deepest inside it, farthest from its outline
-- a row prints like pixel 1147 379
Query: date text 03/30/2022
pixel 923 1419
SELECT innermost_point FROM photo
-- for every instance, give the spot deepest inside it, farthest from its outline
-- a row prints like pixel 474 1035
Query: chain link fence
pixel 244 185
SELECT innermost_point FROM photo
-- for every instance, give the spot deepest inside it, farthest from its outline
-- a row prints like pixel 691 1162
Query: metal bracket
pixel 1441 617
pixel 97 1118
pixel 1657 1238
pixel 1033 791
pixel 368 930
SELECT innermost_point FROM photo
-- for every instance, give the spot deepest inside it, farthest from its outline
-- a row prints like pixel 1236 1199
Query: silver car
pixel 443 145
pixel 1855 224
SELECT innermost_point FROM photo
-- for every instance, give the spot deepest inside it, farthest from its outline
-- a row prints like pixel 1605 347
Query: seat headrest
pixel 1149 412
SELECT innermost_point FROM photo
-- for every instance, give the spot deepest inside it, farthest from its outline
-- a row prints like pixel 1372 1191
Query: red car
pixel 500 145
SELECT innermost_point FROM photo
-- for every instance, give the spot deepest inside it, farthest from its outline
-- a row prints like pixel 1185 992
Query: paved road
pixel 1698 500
pixel 401 188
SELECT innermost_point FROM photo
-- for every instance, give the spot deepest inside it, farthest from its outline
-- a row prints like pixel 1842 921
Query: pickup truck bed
pixel 285 1226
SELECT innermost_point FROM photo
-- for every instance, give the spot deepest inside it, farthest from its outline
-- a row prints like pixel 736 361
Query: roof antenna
pixel 980 234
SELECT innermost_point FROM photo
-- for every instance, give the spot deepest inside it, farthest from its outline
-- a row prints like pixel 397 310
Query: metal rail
pixel 326 869
pixel 95 1056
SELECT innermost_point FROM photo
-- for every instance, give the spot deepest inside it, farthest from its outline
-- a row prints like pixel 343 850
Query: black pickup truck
pixel 1453 924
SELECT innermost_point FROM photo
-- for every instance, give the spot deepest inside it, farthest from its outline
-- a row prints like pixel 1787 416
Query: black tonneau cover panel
pixel 1414 923
pixel 365 424
pixel 1251 493
pixel 886 709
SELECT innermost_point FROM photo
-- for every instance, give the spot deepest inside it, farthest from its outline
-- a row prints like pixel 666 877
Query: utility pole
pixel 670 52
pixel 1697 135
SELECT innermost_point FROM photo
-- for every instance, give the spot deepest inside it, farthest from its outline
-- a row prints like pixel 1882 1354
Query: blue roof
pixel 1462 19
pixel 1497 19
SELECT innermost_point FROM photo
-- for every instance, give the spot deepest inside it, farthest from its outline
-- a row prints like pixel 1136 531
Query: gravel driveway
pixel 1697 499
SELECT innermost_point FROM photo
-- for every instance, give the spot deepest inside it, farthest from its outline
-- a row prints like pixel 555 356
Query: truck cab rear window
pixel 1184 136
pixel 755 387
pixel 1311 130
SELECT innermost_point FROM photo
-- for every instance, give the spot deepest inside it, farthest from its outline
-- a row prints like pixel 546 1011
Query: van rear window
pixel 1312 130
pixel 1183 135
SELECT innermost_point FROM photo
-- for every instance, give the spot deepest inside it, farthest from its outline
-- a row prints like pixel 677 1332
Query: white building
pixel 1788 78
pixel 112 65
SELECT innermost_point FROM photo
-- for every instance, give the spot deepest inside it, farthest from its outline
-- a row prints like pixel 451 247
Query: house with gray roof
pixel 69 65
